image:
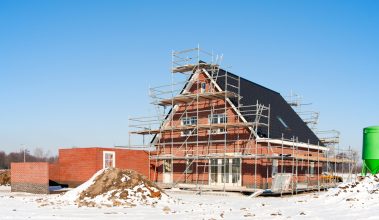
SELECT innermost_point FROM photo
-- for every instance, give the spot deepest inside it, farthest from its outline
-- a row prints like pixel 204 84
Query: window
pixel 274 168
pixel 225 171
pixel 282 122
pixel 109 159
pixel 188 121
pixel 214 170
pixel 189 132
pixel 203 87
pixel 189 164
pixel 217 131
pixel 217 119
pixel 236 170
pixel 312 171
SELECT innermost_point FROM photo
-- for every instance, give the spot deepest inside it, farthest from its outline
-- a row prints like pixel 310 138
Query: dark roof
pixel 283 119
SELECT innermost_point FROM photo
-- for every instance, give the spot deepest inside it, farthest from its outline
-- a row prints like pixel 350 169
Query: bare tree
pixel 40 154
pixel 2 160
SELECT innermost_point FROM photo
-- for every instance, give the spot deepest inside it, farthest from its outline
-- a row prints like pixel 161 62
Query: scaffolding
pixel 309 117
pixel 206 134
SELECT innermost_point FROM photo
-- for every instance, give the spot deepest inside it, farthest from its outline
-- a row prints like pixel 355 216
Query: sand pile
pixel 364 189
pixel 116 187
pixel 5 178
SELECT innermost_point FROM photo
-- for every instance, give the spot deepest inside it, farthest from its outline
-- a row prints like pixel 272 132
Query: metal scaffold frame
pixel 196 140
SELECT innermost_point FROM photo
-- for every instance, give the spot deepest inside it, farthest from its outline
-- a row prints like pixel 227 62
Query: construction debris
pixel 5 178
pixel 116 187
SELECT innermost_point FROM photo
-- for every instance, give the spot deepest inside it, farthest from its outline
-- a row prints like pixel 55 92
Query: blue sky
pixel 72 72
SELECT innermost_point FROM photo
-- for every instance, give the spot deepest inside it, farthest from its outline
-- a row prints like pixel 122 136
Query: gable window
pixel 217 119
pixel 282 121
pixel 188 121
pixel 109 159
pixel 203 87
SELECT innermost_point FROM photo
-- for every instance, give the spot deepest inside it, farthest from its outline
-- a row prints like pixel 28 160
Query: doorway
pixel 167 171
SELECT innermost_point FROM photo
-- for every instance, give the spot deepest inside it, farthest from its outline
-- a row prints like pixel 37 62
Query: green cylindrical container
pixel 370 150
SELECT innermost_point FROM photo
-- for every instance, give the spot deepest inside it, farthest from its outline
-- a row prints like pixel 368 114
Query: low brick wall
pixel 30 188
pixel 30 177
pixel 54 172
pixel 77 165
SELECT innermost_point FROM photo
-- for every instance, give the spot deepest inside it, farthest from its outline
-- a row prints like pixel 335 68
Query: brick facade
pixel 30 177
pixel 237 142
pixel 77 165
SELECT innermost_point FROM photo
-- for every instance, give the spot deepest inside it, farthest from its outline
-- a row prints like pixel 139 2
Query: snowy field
pixel 335 204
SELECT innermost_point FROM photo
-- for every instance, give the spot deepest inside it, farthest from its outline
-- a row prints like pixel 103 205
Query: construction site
pixel 219 147
pixel 216 131
pixel 189 110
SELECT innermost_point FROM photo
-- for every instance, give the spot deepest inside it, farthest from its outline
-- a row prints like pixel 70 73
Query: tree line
pixel 38 155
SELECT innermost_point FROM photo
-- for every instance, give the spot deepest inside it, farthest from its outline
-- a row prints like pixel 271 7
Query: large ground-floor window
pixel 225 172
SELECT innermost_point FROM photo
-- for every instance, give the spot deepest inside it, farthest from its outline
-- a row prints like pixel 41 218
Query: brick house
pixel 225 132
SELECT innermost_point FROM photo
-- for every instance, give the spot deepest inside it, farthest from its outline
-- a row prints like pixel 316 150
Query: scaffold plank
pixel 191 67
pixel 199 127
pixel 186 98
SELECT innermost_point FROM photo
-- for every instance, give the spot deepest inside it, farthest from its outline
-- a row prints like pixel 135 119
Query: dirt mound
pixel 117 187
pixel 5 178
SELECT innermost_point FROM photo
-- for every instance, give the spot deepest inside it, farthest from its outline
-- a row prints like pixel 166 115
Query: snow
pixel 349 201
pixel 125 178
pixel 5 188
pixel 356 194
pixel 73 194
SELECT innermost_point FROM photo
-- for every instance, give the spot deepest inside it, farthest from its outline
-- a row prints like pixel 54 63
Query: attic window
pixel 282 121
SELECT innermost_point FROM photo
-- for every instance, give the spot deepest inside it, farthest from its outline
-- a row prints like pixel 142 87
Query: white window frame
pixel 219 118
pixel 191 120
pixel 217 171
pixel 186 133
pixel 113 156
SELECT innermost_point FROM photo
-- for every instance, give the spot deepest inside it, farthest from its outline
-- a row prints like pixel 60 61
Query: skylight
pixel 282 121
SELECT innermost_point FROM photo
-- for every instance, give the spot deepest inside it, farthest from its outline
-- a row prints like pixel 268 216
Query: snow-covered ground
pixel 325 205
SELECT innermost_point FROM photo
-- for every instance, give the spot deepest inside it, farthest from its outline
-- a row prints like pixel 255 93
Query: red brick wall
pixel 30 177
pixel 137 160
pixel 77 165
pixel 54 172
